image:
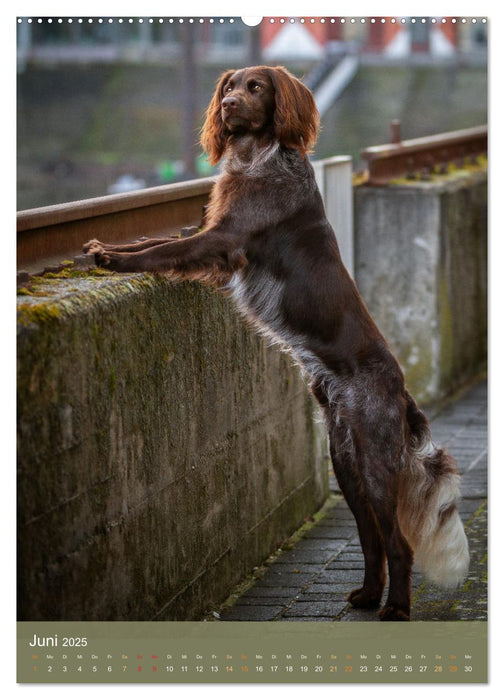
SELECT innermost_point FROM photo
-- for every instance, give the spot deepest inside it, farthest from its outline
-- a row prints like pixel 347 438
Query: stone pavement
pixel 313 572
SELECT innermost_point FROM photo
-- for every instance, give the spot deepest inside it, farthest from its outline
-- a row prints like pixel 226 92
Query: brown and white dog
pixel 268 244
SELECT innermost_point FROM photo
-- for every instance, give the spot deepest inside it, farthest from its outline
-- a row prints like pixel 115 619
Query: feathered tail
pixel 427 507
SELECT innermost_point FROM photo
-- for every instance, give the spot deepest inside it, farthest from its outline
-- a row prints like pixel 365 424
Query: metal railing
pixel 421 157
pixel 47 234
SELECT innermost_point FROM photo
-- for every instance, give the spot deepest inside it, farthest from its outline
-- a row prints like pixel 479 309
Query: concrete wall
pixel 163 450
pixel 421 266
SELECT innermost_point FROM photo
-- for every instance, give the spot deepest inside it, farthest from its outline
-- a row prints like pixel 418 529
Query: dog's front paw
pixel 93 247
pixel 110 261
pixel 103 257
pixel 103 260
pixel 117 262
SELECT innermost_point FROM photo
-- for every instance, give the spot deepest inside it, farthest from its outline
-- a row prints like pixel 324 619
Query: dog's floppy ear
pixel 213 133
pixel 296 119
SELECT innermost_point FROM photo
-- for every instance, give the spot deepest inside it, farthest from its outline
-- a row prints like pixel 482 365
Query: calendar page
pixel 249 484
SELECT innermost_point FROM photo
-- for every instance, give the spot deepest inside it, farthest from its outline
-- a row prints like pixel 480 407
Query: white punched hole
pixel 251 21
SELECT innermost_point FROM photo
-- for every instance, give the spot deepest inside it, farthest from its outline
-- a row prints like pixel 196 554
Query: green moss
pixel 39 313
pixel 51 297
pixel 453 171
pixel 70 273
pixel 467 585
pixel 475 515
pixel 416 594
pixel 310 523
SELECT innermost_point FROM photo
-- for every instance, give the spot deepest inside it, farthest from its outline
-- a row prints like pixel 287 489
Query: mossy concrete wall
pixel 421 266
pixel 164 450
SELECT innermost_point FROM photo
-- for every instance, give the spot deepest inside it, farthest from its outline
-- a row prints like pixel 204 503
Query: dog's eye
pixel 253 86
pixel 228 88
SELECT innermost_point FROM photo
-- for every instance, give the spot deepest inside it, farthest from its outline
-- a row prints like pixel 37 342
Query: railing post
pixel 334 179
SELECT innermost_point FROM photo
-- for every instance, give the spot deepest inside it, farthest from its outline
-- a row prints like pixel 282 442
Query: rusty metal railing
pixel 48 234
pixel 420 157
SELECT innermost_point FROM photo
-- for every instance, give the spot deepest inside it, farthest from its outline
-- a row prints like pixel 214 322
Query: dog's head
pixel 267 102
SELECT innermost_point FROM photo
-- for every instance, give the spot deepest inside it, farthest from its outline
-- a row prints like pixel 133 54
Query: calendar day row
pixel 255 668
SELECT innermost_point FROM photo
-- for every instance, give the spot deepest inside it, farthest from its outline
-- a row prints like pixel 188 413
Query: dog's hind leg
pixel 343 459
pixel 381 489
pixel 400 560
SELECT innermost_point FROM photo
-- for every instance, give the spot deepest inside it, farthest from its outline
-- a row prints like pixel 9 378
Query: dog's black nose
pixel 229 102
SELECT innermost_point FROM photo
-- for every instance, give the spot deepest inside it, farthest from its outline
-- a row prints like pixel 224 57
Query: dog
pixel 267 243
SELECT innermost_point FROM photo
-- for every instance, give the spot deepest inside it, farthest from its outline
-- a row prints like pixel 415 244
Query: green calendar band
pixel 251 652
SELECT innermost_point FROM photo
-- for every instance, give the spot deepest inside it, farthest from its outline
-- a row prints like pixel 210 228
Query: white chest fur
pixel 258 296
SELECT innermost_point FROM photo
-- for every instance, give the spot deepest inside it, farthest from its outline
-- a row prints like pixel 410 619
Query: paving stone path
pixel 311 576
